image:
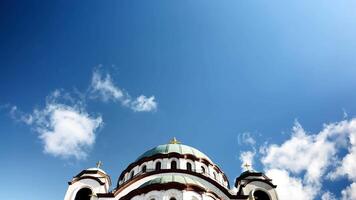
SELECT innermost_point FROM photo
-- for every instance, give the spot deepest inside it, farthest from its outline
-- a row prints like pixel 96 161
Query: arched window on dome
pixel 83 194
pixel 225 180
pixel 144 169
pixel 173 165
pixel 172 198
pixel 260 195
pixel 189 167
pixel 132 174
pixel 203 171
pixel 214 174
pixel 158 166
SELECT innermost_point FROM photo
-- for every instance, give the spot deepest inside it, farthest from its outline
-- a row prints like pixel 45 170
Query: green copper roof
pixel 177 148
pixel 173 178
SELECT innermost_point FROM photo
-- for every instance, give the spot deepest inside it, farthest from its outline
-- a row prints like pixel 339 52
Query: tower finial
pixel 174 141
pixel 247 166
pixel 99 164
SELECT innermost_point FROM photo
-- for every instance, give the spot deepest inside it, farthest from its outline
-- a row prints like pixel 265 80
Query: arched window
pixel 214 175
pixel 173 165
pixel 203 170
pixel 83 194
pixel 144 168
pixel 260 195
pixel 172 198
pixel 158 166
pixel 189 166
pixel 132 174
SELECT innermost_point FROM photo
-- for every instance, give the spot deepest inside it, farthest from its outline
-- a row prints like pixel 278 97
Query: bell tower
pixel 88 183
pixel 255 185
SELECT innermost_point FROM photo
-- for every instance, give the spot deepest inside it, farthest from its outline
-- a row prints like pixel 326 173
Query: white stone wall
pixel 173 193
pixel 84 183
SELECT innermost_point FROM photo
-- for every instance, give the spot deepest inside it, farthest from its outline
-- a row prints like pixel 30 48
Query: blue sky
pixel 230 78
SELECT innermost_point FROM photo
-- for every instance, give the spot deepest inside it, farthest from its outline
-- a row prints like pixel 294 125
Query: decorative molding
pixel 93 172
pixel 138 177
pixel 86 177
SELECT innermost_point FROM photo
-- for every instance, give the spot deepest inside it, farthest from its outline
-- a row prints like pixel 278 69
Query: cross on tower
pixel 247 166
pixel 99 164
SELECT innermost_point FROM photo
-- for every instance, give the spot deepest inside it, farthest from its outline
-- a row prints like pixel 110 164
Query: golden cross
pixel 99 164
pixel 247 166
pixel 174 141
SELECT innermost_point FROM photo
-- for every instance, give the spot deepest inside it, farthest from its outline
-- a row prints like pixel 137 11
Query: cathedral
pixel 170 171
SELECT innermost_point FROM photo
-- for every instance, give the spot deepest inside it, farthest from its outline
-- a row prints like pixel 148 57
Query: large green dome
pixel 174 148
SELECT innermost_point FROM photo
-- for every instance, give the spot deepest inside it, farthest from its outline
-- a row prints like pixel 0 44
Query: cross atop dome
pixel 99 164
pixel 174 141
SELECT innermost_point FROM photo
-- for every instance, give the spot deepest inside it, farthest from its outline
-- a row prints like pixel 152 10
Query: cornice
pixel 172 155
pixel 125 185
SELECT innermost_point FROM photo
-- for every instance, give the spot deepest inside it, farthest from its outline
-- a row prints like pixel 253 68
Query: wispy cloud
pixel 144 104
pixel 328 196
pixel 302 163
pixel 63 124
pixel 65 130
pixel 246 138
pixel 103 87
pixel 349 192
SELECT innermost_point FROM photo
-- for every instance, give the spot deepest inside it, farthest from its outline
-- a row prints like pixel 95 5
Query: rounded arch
pixel 203 169
pixel 215 175
pixel 189 166
pixel 154 165
pixel 173 164
pixel 83 194
pixel 158 165
pixel 172 194
pixel 261 195
pixel 132 174
pixel 153 195
pixel 143 168
pixel 171 160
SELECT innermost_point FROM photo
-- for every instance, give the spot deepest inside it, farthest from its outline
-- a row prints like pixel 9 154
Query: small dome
pixel 173 178
pixel 174 148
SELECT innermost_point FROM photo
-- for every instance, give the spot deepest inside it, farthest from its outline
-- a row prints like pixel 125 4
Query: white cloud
pixel 289 187
pixel 246 138
pixel 20 116
pixel 66 131
pixel 347 165
pixel 328 196
pixel 303 152
pixel 104 87
pixel 246 157
pixel 304 161
pixel 349 193
pixel 142 103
